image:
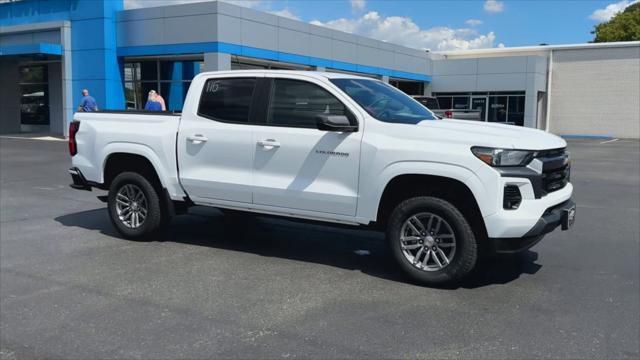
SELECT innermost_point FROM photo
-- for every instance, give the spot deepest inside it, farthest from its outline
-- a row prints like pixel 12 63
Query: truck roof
pixel 315 74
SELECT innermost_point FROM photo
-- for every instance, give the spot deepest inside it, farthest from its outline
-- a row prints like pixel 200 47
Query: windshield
pixel 384 102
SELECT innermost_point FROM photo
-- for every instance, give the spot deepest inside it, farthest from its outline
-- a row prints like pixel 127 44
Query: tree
pixel 624 26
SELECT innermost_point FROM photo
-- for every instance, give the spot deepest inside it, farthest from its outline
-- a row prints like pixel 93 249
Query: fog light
pixel 512 197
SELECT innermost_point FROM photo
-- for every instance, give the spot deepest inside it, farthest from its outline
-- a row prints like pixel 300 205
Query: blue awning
pixel 29 49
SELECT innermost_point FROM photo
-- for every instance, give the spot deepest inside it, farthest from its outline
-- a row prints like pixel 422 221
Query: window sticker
pixel 212 87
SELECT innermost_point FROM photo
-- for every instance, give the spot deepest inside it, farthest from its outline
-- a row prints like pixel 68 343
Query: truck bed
pixel 149 134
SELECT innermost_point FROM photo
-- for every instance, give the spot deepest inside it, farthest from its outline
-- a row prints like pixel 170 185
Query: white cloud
pixel 610 10
pixel 134 4
pixel 285 13
pixel 357 5
pixel 493 6
pixel 403 31
pixel 473 22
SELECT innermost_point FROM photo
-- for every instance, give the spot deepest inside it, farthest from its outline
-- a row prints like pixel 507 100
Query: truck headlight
pixel 503 157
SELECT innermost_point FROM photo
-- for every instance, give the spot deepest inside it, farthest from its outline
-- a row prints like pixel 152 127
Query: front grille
pixel 556 169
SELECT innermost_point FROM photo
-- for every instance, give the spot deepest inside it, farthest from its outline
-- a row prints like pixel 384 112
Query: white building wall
pixel 596 92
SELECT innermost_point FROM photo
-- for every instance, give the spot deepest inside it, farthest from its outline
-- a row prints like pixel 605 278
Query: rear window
pixel 227 100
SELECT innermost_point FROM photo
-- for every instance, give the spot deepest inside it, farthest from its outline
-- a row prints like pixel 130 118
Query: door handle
pixel 197 138
pixel 269 144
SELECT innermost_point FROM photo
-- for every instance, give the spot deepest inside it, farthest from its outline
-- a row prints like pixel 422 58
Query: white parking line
pixel 608 141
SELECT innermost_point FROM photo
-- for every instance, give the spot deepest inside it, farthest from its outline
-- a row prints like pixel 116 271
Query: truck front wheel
pixel 134 206
pixel 431 240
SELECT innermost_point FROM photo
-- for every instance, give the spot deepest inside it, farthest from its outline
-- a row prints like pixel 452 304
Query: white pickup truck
pixel 333 148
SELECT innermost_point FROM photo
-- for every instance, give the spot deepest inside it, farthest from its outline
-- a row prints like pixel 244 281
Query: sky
pixel 444 25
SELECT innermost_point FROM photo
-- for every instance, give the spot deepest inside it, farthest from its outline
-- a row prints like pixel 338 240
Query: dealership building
pixel 51 50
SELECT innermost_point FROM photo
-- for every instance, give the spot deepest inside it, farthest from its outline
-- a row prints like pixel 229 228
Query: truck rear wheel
pixel 431 241
pixel 134 206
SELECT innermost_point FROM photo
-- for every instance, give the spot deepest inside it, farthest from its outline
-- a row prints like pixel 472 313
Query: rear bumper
pixel 79 181
pixel 549 221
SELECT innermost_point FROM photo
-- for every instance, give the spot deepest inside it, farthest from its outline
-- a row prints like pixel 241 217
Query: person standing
pixel 88 103
pixel 160 99
pixel 152 102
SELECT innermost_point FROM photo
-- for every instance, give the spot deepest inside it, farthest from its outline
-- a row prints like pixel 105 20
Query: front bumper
pixel 552 218
pixel 517 223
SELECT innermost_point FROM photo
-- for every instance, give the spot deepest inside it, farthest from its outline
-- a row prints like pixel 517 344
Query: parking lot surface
pixel 70 288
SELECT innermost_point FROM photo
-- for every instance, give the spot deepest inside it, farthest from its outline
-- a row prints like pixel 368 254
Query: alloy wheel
pixel 131 206
pixel 427 241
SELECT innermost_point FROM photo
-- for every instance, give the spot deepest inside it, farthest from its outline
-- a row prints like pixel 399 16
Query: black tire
pixel 154 217
pixel 466 250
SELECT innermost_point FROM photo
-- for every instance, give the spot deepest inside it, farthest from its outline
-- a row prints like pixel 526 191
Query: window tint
pixel 297 103
pixel 227 99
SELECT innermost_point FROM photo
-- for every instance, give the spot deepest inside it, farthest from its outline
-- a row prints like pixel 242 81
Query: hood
pixel 496 135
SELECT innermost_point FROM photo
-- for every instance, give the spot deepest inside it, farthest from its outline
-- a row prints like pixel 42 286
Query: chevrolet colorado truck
pixel 333 148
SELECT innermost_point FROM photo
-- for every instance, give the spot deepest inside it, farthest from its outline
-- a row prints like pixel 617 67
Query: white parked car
pixel 333 148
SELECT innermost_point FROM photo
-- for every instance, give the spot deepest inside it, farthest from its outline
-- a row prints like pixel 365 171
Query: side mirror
pixel 334 123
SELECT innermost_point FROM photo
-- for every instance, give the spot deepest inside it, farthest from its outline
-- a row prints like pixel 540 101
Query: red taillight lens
pixel 73 129
pixel 448 114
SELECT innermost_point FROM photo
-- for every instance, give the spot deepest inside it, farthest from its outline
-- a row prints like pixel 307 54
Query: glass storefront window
pixel 148 71
pixel 174 94
pixel 131 94
pixel 34 95
pixel 445 102
pixel 131 71
pixel 460 102
pixel 502 106
pixel 34 104
pixel 178 70
pixel 516 110
pixel 497 109
pixel 169 78
pixel 409 87
pixel 33 75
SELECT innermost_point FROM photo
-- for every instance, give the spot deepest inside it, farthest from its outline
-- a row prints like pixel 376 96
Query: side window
pixel 296 103
pixel 227 99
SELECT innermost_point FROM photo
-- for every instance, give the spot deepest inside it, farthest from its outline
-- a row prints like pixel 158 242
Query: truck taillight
pixel 73 129
pixel 448 114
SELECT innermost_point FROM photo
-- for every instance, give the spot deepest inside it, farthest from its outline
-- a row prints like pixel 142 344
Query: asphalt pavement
pixel 267 288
